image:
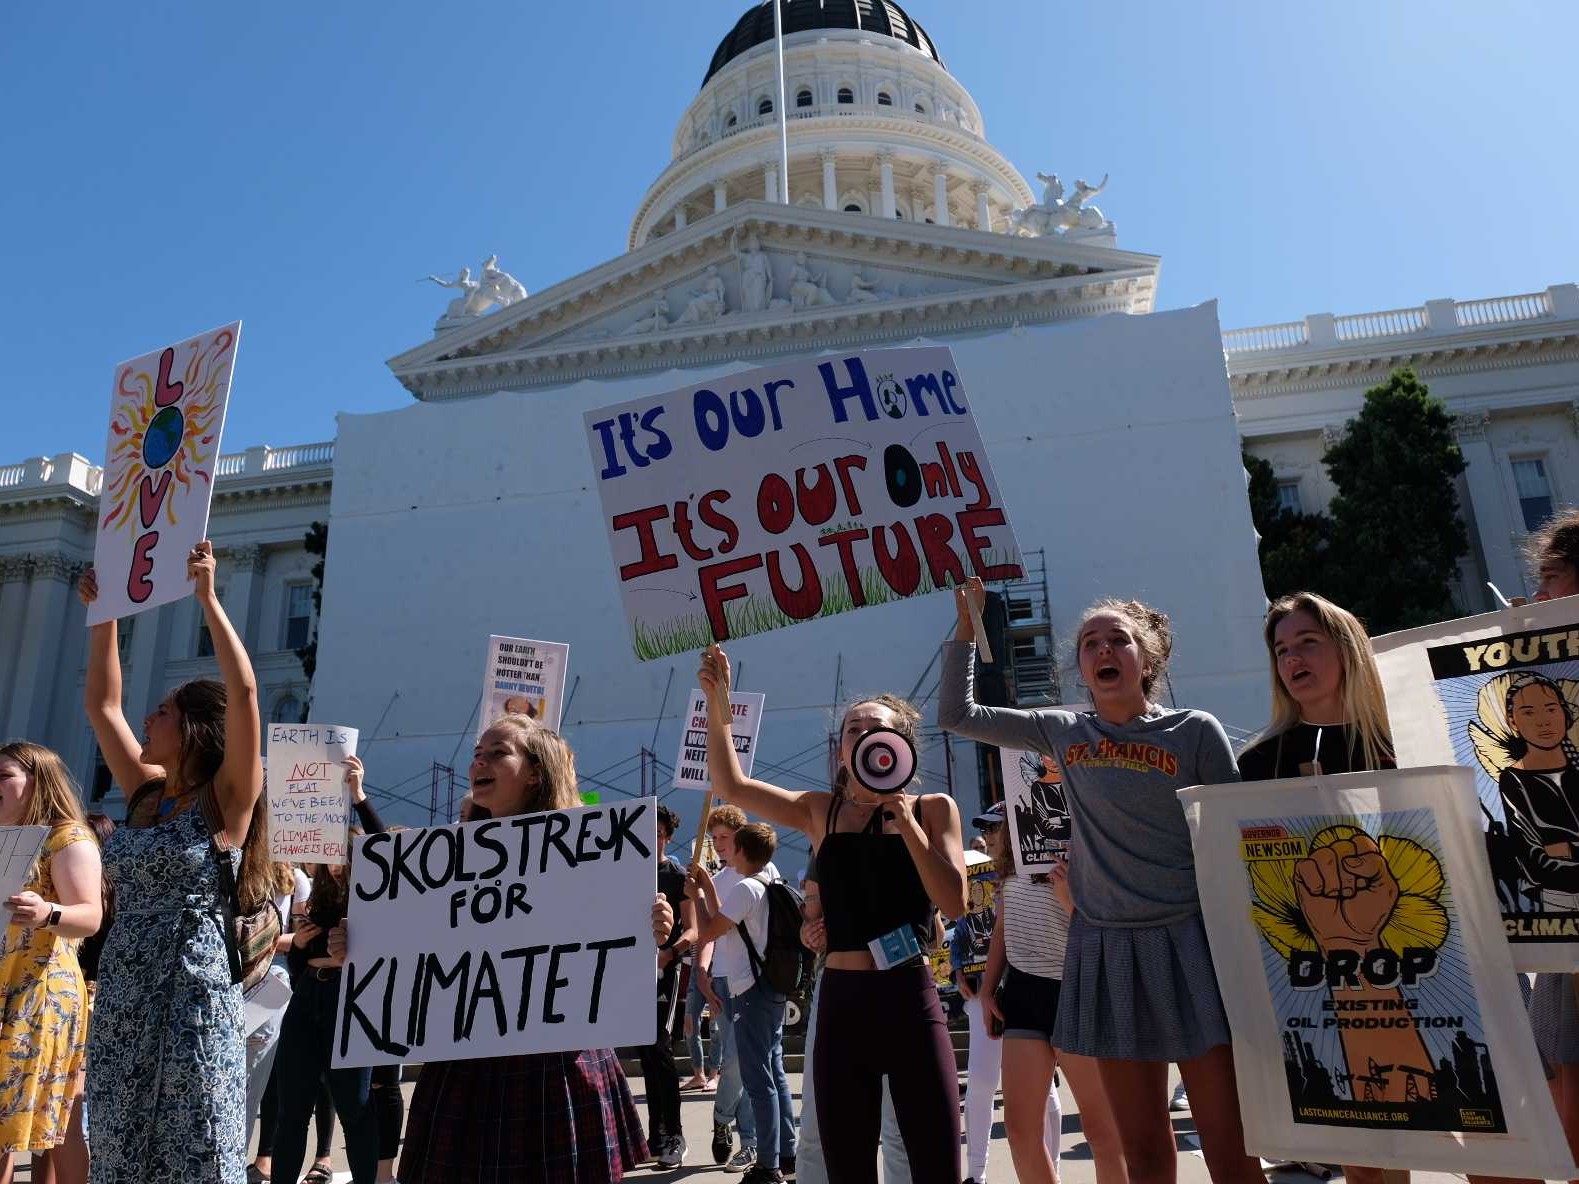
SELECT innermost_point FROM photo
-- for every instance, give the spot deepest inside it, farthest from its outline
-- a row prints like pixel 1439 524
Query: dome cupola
pixel 872 17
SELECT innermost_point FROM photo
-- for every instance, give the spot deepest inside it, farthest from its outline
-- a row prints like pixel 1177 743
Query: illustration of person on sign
pixel 1042 815
pixel 1524 738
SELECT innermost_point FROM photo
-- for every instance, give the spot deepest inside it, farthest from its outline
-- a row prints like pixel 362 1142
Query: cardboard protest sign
pixel 167 412
pixel 19 848
pixel 1499 695
pixel 690 767
pixel 524 677
pixel 761 499
pixel 1365 976
pixel 309 805
pixel 522 934
pixel 1036 807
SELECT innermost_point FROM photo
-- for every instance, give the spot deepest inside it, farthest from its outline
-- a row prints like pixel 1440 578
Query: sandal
pixel 319 1173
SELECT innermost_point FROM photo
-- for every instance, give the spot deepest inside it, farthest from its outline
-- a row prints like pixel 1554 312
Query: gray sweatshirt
pixel 1130 861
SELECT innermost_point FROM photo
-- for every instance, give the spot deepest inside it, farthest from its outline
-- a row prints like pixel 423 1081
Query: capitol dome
pixel 870 16
pixel 876 126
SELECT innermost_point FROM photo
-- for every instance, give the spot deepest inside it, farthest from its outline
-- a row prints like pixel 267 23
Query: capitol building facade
pixel 469 509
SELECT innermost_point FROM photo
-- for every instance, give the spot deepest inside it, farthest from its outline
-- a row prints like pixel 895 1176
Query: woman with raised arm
pixel 885 863
pixel 167 1095
pixel 1138 988
pixel 44 1026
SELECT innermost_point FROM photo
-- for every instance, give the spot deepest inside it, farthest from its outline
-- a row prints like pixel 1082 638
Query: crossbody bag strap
pixel 751 950
pixel 213 820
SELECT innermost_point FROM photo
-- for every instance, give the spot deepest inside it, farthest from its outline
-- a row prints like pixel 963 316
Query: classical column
pixel 1495 521
pixel 244 567
pixel 679 217
pixel 830 183
pixel 983 210
pixel 940 213
pixel 885 165
pixel 770 183
pixel 38 666
pixel 14 572
pixel 142 674
pixel 720 196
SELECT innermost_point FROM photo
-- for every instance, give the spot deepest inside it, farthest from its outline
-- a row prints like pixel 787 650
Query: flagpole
pixel 778 42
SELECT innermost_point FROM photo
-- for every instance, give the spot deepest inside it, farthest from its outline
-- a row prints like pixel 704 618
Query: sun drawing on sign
pixel 160 427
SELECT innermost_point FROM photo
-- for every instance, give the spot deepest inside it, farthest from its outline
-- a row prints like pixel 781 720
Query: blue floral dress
pixel 167 1079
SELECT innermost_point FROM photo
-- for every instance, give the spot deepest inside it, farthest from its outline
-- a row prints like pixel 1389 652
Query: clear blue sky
pixel 172 166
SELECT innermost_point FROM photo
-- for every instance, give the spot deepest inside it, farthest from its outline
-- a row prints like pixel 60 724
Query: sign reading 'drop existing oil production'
pixel 773 496
pixel 167 410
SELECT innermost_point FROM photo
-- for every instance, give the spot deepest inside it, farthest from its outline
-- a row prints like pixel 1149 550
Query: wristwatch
pixel 54 917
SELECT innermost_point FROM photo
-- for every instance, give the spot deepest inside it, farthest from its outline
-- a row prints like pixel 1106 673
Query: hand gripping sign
pixel 762 499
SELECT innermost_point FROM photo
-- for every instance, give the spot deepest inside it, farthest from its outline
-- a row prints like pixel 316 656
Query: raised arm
pixel 958 711
pixel 102 700
pixel 240 778
pixel 797 809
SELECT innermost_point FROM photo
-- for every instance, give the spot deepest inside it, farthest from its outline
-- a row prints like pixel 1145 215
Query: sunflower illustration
pixel 1418 920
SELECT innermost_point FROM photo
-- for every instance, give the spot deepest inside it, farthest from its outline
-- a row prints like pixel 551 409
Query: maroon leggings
pixel 873 1024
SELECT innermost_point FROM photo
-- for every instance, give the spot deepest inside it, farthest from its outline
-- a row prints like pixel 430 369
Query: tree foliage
pixel 1390 547
pixel 1398 535
pixel 316 542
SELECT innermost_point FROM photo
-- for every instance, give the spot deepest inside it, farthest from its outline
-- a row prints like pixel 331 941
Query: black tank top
pixel 869 884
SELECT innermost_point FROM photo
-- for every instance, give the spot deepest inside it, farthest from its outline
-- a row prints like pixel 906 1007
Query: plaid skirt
pixel 1139 994
pixel 548 1118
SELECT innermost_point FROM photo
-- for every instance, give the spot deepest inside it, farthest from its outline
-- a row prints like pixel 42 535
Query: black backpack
pixel 784 965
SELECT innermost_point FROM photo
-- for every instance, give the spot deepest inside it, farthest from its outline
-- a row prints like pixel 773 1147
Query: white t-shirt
pixel 741 899
pixel 301 889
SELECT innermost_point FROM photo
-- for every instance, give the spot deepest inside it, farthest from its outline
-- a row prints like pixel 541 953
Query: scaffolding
pixel 1033 661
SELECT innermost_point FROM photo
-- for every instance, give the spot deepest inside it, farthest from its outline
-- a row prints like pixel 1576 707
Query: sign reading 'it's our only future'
pixel 790 492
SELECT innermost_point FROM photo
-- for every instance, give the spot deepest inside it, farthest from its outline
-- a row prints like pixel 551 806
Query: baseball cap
pixel 991 816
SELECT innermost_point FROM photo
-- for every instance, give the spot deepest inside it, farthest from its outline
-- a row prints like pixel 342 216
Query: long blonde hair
pixel 556 787
pixel 54 800
pixel 1364 704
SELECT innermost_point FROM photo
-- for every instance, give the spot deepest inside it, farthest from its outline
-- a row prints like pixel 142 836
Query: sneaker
pixel 744 1160
pixel 723 1142
pixel 1180 1100
pixel 762 1175
pixel 673 1153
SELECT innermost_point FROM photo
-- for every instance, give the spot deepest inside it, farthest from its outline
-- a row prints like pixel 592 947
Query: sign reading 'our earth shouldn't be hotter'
pixel 774 496
pixel 529 933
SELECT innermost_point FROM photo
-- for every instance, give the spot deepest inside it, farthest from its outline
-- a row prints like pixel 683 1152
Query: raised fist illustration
pixel 1347 893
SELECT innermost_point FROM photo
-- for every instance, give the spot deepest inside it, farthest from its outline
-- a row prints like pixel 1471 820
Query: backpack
pixel 250 938
pixel 784 965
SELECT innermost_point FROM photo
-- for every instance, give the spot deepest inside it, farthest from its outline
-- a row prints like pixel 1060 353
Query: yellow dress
pixel 44 1026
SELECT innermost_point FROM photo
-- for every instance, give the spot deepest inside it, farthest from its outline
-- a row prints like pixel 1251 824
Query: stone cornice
pixel 1514 346
pixel 502 350
pixel 48 565
pixel 810 330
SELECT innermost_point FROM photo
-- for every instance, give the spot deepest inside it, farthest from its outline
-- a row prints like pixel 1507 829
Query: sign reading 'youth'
pixel 1499 694
pixel 167 411
pixel 690 766
pixel 523 934
pixel 777 495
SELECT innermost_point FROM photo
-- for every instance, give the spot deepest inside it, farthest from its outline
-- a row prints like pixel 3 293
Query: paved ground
pixel 1077 1167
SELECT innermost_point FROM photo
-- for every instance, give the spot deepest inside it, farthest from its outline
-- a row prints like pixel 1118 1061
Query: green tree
pixel 1396 532
pixel 1293 548
pixel 316 542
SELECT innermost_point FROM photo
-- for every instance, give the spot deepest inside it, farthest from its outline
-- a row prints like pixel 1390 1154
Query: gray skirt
pixel 1139 994
pixel 1554 1014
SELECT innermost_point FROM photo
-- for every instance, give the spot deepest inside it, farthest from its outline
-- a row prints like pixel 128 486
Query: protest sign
pixel 167 412
pixel 690 767
pixel 982 909
pixel 19 848
pixel 1499 695
pixel 761 499
pixel 529 933
pixel 309 805
pixel 1365 976
pixel 1037 810
pixel 524 678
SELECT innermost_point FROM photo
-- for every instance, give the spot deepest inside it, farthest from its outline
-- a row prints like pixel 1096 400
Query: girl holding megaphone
pixel 886 859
